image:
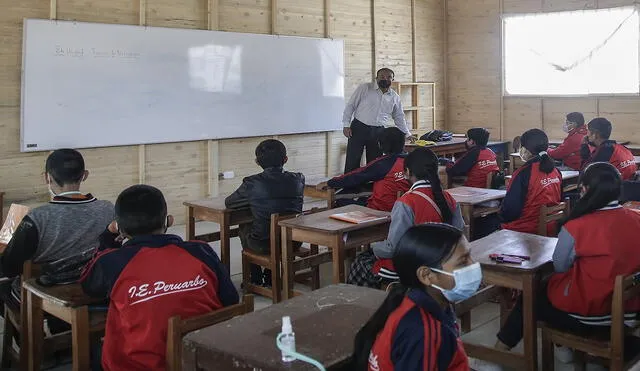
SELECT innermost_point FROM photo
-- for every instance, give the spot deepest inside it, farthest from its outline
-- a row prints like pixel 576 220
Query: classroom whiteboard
pixel 98 85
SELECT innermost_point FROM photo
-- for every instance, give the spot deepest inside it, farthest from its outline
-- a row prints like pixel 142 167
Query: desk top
pixel 315 180
pixel 636 159
pixel 213 204
pixel 569 174
pixel 62 295
pixel 473 196
pixel 325 322
pixel 320 222
pixel 539 248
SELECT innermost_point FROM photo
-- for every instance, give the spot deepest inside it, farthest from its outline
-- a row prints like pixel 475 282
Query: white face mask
pixel 467 282
pixel 565 127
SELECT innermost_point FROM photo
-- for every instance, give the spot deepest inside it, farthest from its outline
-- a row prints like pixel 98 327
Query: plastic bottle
pixel 288 339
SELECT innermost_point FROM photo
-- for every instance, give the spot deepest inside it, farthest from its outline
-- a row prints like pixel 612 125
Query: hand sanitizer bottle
pixel 288 339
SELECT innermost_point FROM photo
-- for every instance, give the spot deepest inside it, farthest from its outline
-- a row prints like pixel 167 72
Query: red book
pixel 357 217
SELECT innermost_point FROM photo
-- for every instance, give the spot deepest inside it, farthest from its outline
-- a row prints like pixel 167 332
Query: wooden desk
pixel 325 322
pixel 523 277
pixel 214 210
pixel 337 235
pixel 70 304
pixel 448 148
pixel 470 198
pixel 310 190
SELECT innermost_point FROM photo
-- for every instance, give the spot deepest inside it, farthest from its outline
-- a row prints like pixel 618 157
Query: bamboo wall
pixel 474 75
pixel 377 33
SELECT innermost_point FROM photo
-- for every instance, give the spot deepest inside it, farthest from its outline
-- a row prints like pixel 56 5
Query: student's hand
pixel 347 132
pixel 113 227
pixel 322 186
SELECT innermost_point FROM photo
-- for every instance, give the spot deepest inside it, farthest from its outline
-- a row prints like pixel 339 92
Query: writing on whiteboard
pixel 62 51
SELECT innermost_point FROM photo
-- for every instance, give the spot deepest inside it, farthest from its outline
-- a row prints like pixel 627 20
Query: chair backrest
pixel 14 217
pixel 178 327
pixel 625 288
pixel 490 180
pixel 549 214
pixel 630 191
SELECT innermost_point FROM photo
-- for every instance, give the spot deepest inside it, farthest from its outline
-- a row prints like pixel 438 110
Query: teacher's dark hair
pixel 603 183
pixel 536 141
pixel 389 70
pixel 427 245
pixel 423 164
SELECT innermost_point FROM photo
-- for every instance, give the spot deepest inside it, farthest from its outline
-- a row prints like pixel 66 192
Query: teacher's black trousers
pixel 362 136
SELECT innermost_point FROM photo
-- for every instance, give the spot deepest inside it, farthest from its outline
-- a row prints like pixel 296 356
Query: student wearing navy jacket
pixel 597 242
pixel 478 162
pixel 535 184
pixel 425 202
pixel 607 150
pixel 386 173
pixel 415 327
pixel 569 151
pixel 149 279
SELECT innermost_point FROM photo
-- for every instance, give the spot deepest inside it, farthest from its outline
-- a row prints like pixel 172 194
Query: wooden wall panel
pixel 181 170
pixel 475 71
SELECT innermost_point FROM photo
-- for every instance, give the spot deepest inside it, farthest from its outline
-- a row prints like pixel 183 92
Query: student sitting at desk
pixel 386 173
pixel 569 151
pixel 67 226
pixel 425 202
pixel 415 327
pixel 273 191
pixel 597 242
pixel 607 150
pixel 151 278
pixel 533 185
pixel 478 162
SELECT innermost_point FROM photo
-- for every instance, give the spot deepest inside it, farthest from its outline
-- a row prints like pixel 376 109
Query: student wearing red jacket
pixel 569 151
pixel 425 202
pixel 478 162
pixel 597 242
pixel 533 185
pixel 415 327
pixel 386 173
pixel 151 278
pixel 607 150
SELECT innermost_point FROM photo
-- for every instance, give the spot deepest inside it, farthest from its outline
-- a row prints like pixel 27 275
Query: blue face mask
pixel 467 282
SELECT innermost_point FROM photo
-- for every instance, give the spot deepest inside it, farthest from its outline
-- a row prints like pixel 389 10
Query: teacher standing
pixel 365 115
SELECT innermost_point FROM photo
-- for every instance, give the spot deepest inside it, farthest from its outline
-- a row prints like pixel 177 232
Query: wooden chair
pixel 549 214
pixel 608 347
pixel 273 261
pixel 179 327
pixel 14 217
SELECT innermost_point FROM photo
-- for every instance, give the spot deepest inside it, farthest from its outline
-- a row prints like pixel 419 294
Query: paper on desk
pixel 14 217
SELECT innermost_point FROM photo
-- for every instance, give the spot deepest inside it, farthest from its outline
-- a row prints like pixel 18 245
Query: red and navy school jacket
pixel 530 188
pixel 614 153
pixel 569 151
pixel 419 335
pixel 604 245
pixel 476 165
pixel 148 280
pixel 387 173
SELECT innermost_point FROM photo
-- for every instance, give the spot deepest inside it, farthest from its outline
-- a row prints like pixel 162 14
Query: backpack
pixel 437 136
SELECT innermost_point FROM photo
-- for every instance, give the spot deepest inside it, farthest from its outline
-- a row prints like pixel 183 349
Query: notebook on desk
pixel 14 217
pixel 633 205
pixel 357 217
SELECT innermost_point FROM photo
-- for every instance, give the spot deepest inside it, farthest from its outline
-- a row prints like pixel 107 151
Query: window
pixel 572 53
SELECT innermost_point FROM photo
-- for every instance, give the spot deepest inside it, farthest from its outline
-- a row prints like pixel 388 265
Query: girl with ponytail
pixel 538 183
pixel 596 243
pixel 425 202
pixel 415 327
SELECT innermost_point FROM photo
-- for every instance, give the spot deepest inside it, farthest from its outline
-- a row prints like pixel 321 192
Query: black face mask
pixel 384 84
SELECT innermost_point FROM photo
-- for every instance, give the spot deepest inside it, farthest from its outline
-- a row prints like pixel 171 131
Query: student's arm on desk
pixel 240 198
pixel 21 247
pixel 372 172
pixel 560 152
pixel 401 220
pixel 565 253
pixel 513 203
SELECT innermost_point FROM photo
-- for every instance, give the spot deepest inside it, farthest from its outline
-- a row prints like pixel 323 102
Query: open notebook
pixel 14 217
pixel 357 217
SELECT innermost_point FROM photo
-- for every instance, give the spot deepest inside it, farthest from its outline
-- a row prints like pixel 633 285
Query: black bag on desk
pixel 65 271
pixel 437 136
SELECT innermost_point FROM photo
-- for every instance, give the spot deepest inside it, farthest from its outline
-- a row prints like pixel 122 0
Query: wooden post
pixel 445 75
pixel 373 37
pixel 53 9
pixel 142 150
pixel 328 135
pixel 274 17
pixel 502 87
pixel 213 170
pixel 212 15
pixel 143 13
pixel 413 48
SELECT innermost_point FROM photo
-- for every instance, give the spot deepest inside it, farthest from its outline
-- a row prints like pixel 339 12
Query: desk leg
pixel 530 331
pixel 287 257
pixel 467 216
pixel 191 224
pixel 338 253
pixel 80 338
pixel 225 234
pixel 36 332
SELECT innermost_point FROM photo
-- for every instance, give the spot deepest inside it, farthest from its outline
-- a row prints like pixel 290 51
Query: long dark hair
pixel 536 141
pixel 423 164
pixel 604 184
pixel 427 245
